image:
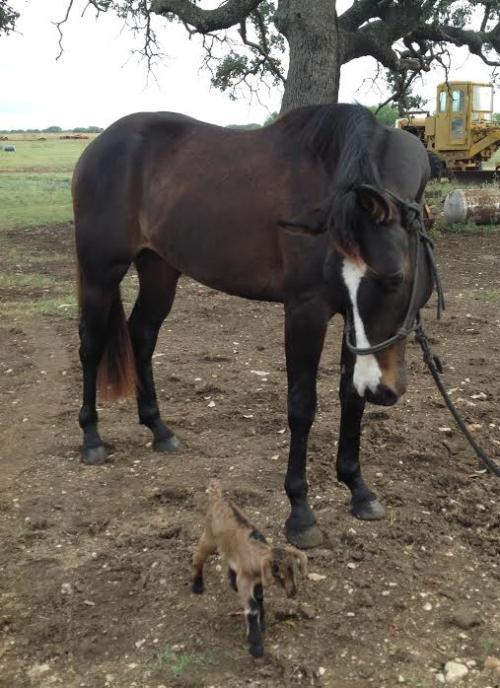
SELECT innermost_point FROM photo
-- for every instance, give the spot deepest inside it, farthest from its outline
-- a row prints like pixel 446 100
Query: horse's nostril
pixel 383 396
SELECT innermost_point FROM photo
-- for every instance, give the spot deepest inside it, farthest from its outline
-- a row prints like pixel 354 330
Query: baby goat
pixel 253 563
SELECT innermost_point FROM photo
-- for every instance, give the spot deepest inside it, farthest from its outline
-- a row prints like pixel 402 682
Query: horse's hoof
pixel 94 456
pixel 368 511
pixel 168 444
pixel 306 538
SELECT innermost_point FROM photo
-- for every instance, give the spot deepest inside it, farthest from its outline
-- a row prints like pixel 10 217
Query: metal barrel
pixel 480 206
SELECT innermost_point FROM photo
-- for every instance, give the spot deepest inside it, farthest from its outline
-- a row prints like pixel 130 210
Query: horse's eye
pixel 392 282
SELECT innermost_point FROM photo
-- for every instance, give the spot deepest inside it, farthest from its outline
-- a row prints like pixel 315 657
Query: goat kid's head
pixel 282 565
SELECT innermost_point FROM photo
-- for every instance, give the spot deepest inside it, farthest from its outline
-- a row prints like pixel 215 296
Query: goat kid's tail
pixel 116 376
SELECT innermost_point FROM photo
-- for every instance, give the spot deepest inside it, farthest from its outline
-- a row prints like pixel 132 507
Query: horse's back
pixel 405 164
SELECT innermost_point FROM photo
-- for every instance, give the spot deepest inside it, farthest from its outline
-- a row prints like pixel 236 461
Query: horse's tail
pixel 116 375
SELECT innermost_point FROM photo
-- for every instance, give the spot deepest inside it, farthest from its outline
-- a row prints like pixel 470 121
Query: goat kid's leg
pixel 157 285
pixel 246 590
pixel 231 575
pixel 206 547
pixel 305 328
pixel 258 593
pixel 364 503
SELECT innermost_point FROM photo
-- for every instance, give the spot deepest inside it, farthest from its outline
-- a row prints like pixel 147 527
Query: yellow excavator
pixel 462 135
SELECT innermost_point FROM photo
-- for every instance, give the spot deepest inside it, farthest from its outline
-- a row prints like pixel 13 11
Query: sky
pixel 98 79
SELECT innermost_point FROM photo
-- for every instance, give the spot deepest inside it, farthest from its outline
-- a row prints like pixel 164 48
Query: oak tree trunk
pixel 310 27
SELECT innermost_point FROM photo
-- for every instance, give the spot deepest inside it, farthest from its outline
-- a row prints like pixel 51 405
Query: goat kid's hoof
pixel 94 456
pixel 197 586
pixel 168 444
pixel 256 651
pixel 368 510
pixel 306 538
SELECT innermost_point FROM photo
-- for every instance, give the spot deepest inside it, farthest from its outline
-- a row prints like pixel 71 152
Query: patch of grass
pixel 416 682
pixel 466 228
pixel 35 182
pixel 52 155
pixel 489 645
pixel 488 295
pixel 16 280
pixel 63 305
pixel 178 663
pixel 435 196
pixel 34 199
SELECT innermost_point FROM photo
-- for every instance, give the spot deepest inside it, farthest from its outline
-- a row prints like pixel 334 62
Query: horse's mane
pixel 346 138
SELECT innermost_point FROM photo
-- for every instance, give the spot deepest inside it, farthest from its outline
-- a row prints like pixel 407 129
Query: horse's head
pixel 379 258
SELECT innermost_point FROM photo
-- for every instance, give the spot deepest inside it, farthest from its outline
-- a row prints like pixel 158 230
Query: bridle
pixel 412 216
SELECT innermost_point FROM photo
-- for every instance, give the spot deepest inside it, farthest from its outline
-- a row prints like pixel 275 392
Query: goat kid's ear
pixel 301 558
pixel 374 200
pixel 311 221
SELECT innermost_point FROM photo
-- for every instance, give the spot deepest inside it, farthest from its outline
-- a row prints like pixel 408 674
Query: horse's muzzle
pixel 382 396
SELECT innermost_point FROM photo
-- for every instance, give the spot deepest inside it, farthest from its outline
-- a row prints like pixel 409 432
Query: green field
pixel 36 253
pixel 35 181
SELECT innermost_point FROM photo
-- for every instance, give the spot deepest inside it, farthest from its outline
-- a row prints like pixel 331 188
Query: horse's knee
pixel 301 410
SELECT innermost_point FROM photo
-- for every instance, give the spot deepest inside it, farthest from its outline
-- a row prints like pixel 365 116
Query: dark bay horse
pixel 316 211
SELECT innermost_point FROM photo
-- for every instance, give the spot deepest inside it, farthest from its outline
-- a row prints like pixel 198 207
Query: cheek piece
pixel 413 222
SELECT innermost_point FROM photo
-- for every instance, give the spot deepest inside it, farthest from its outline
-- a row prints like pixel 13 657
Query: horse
pixel 320 210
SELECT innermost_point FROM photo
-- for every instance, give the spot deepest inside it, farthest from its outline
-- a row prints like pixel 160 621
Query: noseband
pixel 413 222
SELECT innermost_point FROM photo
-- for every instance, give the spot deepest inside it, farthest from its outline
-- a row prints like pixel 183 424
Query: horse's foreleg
pixel 364 502
pixel 305 328
pixel 157 284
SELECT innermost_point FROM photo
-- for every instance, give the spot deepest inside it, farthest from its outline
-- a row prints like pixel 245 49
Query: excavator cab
pixel 460 106
pixel 463 135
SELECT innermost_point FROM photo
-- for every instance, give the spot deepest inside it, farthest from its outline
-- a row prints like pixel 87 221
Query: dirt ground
pixel 94 561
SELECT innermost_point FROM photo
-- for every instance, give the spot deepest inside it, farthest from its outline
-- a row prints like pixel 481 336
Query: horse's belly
pixel 241 258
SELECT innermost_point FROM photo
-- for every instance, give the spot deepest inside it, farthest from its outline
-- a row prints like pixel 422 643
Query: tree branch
pixel 58 26
pixel 262 48
pixel 476 41
pixel 228 14
pixel 406 21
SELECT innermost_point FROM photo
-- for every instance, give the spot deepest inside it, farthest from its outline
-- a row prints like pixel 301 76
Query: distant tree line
pixel 55 130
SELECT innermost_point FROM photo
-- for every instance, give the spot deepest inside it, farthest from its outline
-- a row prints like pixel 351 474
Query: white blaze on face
pixel 367 373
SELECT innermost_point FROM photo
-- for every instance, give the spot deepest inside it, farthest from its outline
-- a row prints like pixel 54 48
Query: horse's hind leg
pixel 157 284
pixel 102 328
pixel 364 503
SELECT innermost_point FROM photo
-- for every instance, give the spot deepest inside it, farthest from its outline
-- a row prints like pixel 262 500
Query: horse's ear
pixel 310 221
pixel 374 200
